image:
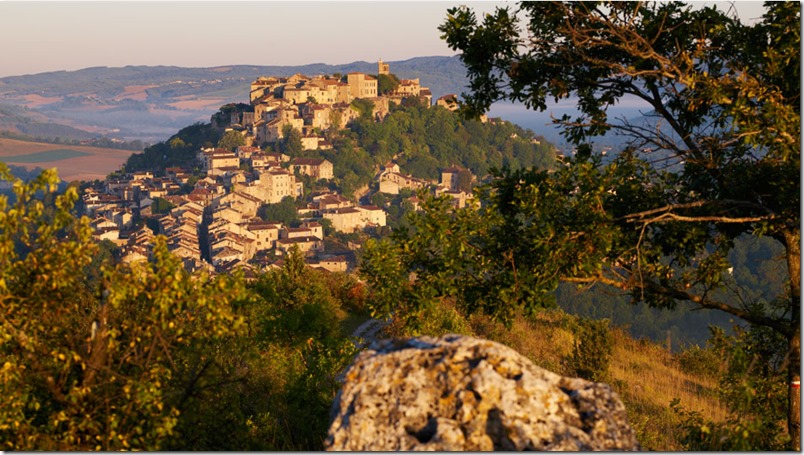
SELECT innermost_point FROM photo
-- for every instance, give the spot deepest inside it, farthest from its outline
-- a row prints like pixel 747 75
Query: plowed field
pixel 72 162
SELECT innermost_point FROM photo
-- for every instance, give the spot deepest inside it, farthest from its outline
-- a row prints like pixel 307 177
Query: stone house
pixel 218 158
pixel 372 215
pixel 347 219
pixel 449 102
pixel 332 264
pixel 265 234
pixel 307 229
pixel 361 85
pixel 307 245
pixel 317 168
pixel 272 185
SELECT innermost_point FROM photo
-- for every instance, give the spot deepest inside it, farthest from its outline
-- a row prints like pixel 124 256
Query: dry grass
pixel 644 374
pixel 647 379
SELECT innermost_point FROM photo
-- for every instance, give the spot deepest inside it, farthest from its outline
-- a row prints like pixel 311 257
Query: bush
pixel 700 362
pixel 593 349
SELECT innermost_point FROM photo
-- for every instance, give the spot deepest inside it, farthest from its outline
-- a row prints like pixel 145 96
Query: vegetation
pixel 161 206
pixel 283 211
pixel 752 388
pixel 291 143
pixel 387 83
pixel 95 354
pixel 179 150
pixel 231 140
pixel 99 355
pixel 660 220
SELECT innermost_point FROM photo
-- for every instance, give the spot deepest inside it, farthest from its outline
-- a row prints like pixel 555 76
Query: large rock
pixel 463 393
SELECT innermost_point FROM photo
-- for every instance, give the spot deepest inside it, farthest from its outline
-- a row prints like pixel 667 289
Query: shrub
pixel 593 349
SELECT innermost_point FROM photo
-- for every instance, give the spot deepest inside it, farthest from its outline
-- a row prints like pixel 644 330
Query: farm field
pixel 72 162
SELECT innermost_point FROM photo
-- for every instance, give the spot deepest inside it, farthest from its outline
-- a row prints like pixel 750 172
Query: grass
pixel 46 156
pixel 647 379
pixel 643 373
pixel 351 322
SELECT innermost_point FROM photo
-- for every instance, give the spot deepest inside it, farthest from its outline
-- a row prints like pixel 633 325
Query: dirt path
pixel 369 331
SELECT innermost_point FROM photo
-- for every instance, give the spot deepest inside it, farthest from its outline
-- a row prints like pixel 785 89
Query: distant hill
pixel 150 103
pixel 23 121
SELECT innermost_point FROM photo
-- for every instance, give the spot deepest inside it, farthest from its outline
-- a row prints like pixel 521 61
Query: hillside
pixel 645 375
pixel 150 103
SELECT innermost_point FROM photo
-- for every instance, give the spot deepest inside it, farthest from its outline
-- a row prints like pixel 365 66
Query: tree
pixel 88 362
pixel 717 155
pixel 161 206
pixel 364 106
pixel 291 141
pixel 387 83
pixel 231 140
pixel 283 211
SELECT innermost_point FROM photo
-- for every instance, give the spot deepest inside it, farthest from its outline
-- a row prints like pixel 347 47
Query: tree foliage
pixel 161 206
pixel 717 155
pixel 387 83
pixel 291 143
pixel 101 355
pixel 89 367
pixel 283 211
pixel 593 349
pixel 179 150
pixel 751 389
pixel 231 140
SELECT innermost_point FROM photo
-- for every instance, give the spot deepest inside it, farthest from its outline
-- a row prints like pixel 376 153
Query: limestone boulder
pixel 464 393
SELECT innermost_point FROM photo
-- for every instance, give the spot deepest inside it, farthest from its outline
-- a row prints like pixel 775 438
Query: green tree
pixel 335 118
pixel 161 206
pixel 387 83
pixel 717 156
pixel 283 211
pixel 296 312
pixel 87 361
pixel 593 349
pixel 291 143
pixel 231 140
pixel 364 106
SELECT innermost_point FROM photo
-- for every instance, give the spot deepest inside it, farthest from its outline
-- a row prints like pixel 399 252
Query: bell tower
pixel 382 68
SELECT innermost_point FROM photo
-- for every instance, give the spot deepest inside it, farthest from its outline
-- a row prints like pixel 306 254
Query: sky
pixel 41 36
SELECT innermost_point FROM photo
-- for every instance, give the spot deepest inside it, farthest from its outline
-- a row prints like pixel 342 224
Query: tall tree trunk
pixel 794 391
pixel 792 240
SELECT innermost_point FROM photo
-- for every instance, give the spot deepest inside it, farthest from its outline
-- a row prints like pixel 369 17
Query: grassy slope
pixel 643 373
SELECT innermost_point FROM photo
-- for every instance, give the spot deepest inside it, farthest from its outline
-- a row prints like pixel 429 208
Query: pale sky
pixel 41 36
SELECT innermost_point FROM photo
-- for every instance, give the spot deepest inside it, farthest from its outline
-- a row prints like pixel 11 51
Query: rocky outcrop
pixel 463 393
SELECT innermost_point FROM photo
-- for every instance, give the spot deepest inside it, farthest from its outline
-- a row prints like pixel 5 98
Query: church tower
pixel 382 68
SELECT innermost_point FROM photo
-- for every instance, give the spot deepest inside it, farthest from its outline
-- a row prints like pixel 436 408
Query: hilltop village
pixel 214 224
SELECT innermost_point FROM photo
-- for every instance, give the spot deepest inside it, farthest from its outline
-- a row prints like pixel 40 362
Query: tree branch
pixel 639 217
